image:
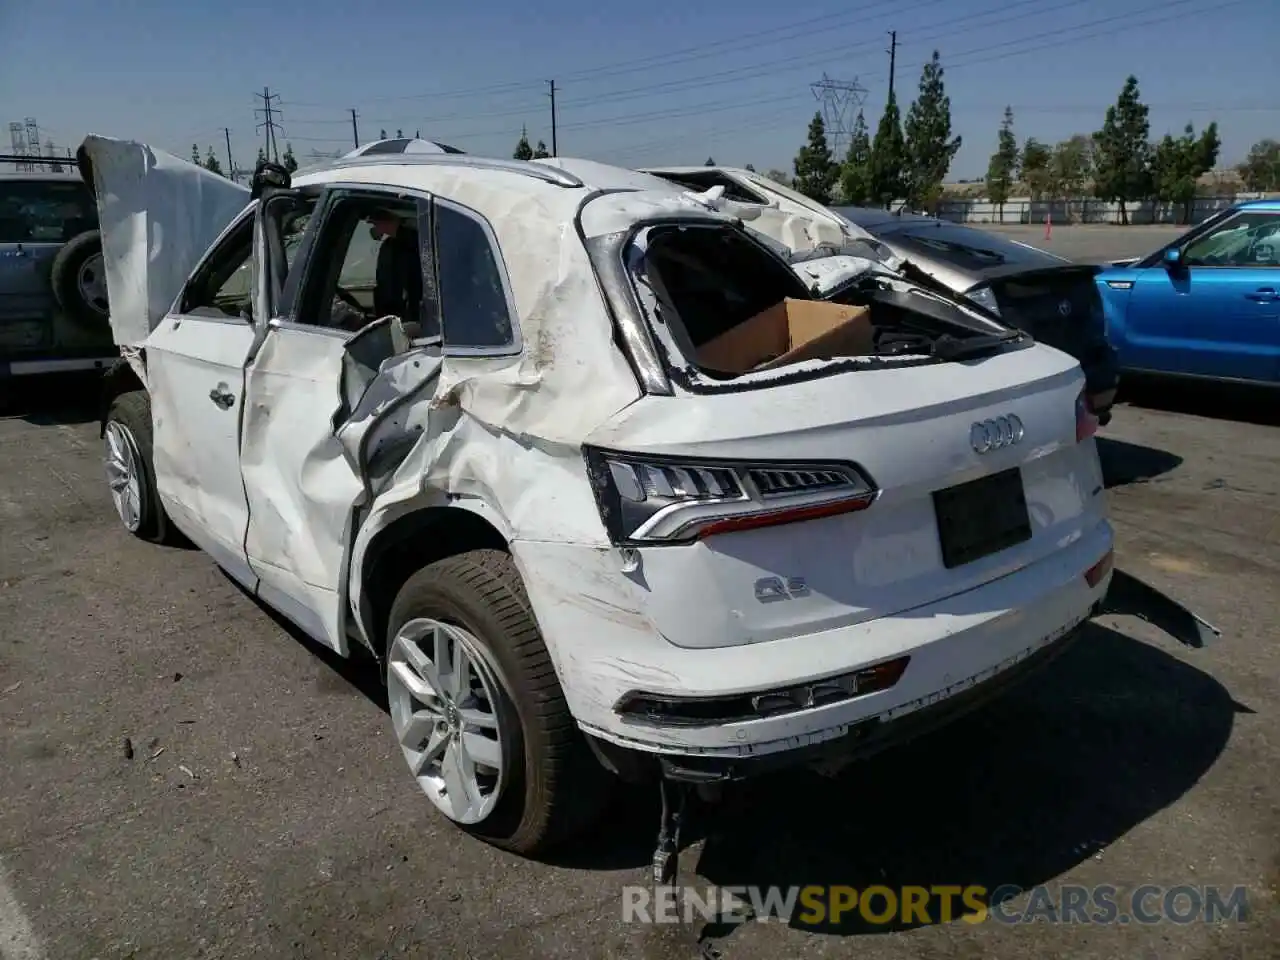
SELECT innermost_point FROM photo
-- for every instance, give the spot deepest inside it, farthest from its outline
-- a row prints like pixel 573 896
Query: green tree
pixel 816 170
pixel 855 172
pixel 211 162
pixel 1176 165
pixel 778 176
pixel 1070 167
pixel 289 161
pixel 750 167
pixel 888 160
pixel 1261 168
pixel 523 150
pixel 710 162
pixel 540 151
pixel 195 155
pixel 382 134
pixel 262 157
pixel 1034 169
pixel 1003 165
pixel 930 148
pixel 1122 153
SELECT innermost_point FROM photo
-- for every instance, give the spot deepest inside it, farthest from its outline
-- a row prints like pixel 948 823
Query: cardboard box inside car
pixel 788 332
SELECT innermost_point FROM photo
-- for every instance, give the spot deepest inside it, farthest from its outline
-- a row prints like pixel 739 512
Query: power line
pixel 268 126
pixel 800 61
pixel 893 58
pixel 837 98
pixel 552 85
pixel 978 52
pixel 758 38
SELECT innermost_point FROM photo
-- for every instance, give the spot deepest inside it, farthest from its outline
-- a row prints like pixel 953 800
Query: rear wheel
pixel 130 476
pixel 478 712
pixel 79 279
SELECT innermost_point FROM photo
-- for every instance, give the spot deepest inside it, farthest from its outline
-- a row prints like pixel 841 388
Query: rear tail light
pixel 646 500
pixel 1086 419
pixel 1098 572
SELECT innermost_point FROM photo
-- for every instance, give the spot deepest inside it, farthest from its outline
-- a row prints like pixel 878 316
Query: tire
pixel 129 422
pixel 80 254
pixel 553 785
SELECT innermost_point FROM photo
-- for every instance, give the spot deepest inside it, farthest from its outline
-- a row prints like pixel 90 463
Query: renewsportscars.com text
pixel 914 905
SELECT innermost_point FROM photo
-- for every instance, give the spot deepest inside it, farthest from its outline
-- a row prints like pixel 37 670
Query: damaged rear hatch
pixel 159 215
pixel 928 448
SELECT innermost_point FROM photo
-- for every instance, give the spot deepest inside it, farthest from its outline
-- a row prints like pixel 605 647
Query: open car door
pixel 179 252
pixel 321 391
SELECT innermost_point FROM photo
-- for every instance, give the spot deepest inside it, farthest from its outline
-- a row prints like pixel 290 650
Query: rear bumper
pixel 861 740
pixel 605 649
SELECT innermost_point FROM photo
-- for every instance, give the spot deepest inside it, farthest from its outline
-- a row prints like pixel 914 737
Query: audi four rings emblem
pixel 996 433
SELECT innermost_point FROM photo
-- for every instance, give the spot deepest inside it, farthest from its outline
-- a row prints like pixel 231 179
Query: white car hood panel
pixel 158 215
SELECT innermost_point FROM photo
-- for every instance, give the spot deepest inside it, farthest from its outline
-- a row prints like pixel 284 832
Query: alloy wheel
pixel 443 692
pixel 124 474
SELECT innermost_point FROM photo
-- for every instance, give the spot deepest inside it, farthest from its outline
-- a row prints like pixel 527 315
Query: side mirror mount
pixel 1173 259
pixel 268 176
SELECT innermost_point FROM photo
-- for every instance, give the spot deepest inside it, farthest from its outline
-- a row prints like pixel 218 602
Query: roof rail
pixel 553 175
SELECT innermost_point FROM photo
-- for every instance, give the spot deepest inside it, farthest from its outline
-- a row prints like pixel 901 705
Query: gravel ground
pixel 260 807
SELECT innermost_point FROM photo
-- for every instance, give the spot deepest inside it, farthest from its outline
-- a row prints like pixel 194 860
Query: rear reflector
pixel 1086 419
pixel 754 521
pixel 1098 572
pixel 737 708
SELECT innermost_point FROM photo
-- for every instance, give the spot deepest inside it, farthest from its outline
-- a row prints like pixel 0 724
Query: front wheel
pixel 130 476
pixel 478 712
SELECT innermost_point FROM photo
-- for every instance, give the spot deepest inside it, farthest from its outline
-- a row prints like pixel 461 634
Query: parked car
pixel 1052 298
pixel 581 481
pixel 53 299
pixel 1206 305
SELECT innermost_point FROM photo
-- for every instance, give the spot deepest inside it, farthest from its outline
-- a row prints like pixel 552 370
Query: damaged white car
pixel 590 469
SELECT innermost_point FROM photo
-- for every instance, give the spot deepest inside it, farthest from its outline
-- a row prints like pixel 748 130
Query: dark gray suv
pixel 53 288
pixel 1053 299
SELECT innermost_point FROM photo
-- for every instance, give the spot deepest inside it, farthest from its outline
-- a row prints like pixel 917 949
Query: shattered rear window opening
pixel 733 308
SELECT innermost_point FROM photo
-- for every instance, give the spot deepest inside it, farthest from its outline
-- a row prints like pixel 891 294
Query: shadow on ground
pixel 1010 796
pixel 51 400
pixel 1220 401
pixel 1013 795
pixel 1124 462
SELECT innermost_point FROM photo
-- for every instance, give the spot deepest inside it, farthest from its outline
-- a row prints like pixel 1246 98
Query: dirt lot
pixel 264 810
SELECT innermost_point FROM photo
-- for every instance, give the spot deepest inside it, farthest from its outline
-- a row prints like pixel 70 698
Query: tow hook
pixel 675 796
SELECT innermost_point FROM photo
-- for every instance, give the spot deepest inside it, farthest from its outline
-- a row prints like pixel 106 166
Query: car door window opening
pixel 1250 239
pixel 223 284
pixel 367 263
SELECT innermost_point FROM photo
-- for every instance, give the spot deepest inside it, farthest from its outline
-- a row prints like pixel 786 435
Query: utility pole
pixel 231 164
pixel 552 84
pixel 268 126
pixel 355 130
pixel 893 57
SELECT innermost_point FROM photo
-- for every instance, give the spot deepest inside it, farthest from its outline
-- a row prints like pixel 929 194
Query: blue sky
pixel 666 82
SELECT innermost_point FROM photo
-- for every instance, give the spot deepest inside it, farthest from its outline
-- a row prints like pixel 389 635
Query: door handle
pixel 1262 295
pixel 222 398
